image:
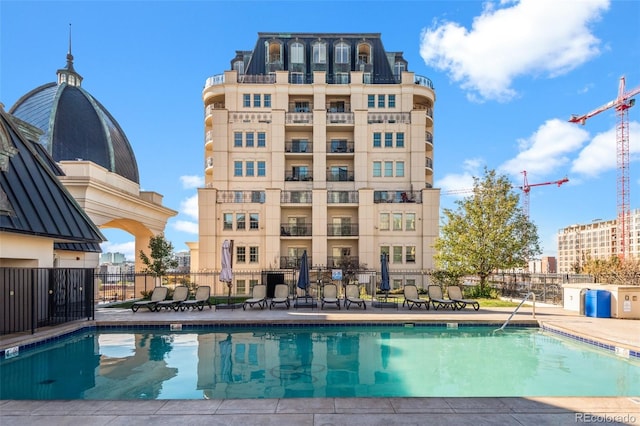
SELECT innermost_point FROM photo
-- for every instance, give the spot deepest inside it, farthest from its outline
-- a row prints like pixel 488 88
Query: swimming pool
pixel 332 361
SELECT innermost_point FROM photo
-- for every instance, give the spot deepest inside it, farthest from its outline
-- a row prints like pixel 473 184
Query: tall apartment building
pixel 596 240
pixel 318 142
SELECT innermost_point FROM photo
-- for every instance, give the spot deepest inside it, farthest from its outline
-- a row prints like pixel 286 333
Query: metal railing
pixel 340 230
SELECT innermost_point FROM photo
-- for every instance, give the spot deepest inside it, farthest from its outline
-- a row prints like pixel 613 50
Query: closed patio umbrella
pixel 226 273
pixel 384 272
pixel 303 277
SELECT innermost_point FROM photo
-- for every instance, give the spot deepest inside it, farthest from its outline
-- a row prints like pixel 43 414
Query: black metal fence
pixel 37 297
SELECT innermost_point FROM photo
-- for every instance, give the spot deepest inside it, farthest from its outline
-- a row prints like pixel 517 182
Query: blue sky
pixel 507 74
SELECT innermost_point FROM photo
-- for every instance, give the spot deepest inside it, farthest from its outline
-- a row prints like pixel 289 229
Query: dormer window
pixel 239 67
pixel 297 53
pixel 342 53
pixel 364 53
pixel 274 52
pixel 319 53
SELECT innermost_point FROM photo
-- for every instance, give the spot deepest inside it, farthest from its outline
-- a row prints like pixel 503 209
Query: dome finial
pixel 68 74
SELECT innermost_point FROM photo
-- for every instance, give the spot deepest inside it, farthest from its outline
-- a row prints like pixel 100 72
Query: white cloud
pixel 513 39
pixel 190 182
pixel 546 150
pixel 189 206
pixel 128 249
pixel 600 154
pixel 186 226
pixel 458 183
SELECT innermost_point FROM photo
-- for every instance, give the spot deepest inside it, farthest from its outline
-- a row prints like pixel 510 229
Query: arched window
pixel 319 53
pixel 274 52
pixel 297 53
pixel 342 53
pixel 364 53
pixel 239 66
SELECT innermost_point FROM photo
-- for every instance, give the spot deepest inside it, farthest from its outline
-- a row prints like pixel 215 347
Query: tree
pixel 161 259
pixel 488 231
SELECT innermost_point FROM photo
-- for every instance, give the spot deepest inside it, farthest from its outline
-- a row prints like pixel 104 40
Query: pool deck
pixel 620 333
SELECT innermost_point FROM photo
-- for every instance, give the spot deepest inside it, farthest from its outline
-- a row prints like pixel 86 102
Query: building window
pixel 342 78
pixel 248 139
pixel 410 254
pixel 371 101
pixel 239 66
pixel 296 78
pixel 399 140
pixel 237 168
pixel 366 78
pixel 391 103
pixel 397 254
pixel 410 221
pixel 381 99
pixel 267 101
pixel 274 53
pixel 384 221
pixel 256 100
pixel 246 100
pixel 398 68
pixel 388 140
pixel 241 287
pixel 342 53
pixel 400 169
pixel 241 254
pixel 319 53
pixel 297 53
pixel 377 169
pixel 249 170
pixel 388 169
pixel 241 223
pixel 262 168
pixel 397 221
pixel 227 221
pixel 301 106
pixel 237 139
pixel 262 139
pixel 377 140
pixel 253 254
pixel 384 250
pixel 254 221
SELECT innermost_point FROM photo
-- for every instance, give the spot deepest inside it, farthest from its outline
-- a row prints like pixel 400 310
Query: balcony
pixel 428 138
pixel 340 261
pixel 296 176
pixel 302 230
pixel 209 165
pixel 208 139
pixel 428 163
pixel 249 117
pixel 304 118
pixel 342 197
pixel 214 80
pixel 424 81
pixel 296 197
pixel 397 197
pixel 340 176
pixel 299 146
pixel 342 230
pixel 257 79
pixel 340 146
pixel 390 118
pixel 292 262
pixel 241 197
pixel 340 118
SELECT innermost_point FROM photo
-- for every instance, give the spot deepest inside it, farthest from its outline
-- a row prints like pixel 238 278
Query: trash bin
pixel 598 304
pixel 583 295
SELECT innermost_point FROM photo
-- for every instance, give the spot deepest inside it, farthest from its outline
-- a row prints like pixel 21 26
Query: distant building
pixel 112 258
pixel 595 240
pixel 321 143
pixel 184 260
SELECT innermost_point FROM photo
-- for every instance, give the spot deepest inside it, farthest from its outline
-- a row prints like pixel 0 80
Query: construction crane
pixel 621 104
pixel 526 188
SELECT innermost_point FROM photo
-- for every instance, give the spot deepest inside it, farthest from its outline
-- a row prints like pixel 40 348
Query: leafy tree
pixel 161 259
pixel 488 231
pixel 613 270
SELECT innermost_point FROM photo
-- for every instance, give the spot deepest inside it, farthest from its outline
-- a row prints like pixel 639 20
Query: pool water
pixel 289 362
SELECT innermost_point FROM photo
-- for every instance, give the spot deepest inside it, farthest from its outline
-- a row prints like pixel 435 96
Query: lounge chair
pixel 180 294
pixel 437 299
pixel 280 295
pixel 352 295
pixel 258 297
pixel 455 294
pixel 330 295
pixel 412 298
pixel 158 294
pixel 199 301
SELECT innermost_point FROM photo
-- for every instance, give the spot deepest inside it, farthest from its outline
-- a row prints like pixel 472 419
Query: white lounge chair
pixel 180 294
pixel 330 295
pixel 412 298
pixel 280 296
pixel 352 295
pixel 199 301
pixel 258 297
pixel 455 294
pixel 437 299
pixel 158 294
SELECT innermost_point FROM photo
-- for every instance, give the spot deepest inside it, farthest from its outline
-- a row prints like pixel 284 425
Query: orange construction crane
pixel 526 188
pixel 621 104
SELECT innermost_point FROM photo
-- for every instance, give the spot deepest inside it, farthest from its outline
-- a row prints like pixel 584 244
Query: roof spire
pixel 68 74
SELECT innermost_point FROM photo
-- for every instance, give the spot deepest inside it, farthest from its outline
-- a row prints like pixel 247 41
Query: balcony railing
pixel 292 262
pixel 342 197
pixel 340 261
pixel 426 108
pixel 342 230
pixel 298 118
pixel 428 163
pixel 424 81
pixel 214 80
pixel 298 176
pixel 397 197
pixel 298 146
pixel 340 176
pixel 249 117
pixel 241 197
pixel 340 118
pixel 428 137
pixel 257 79
pixel 288 230
pixel 398 117
pixel 296 197
pixel 340 146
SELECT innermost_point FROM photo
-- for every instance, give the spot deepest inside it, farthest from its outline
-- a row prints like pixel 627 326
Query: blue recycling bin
pixel 598 304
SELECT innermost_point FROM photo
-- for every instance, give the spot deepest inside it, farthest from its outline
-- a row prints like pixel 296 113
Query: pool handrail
pixel 533 312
